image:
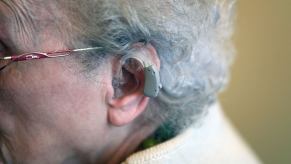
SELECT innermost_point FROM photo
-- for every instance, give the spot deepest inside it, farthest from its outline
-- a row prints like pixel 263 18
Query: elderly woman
pixel 118 81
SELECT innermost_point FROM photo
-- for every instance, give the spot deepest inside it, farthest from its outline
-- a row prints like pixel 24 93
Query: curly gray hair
pixel 192 39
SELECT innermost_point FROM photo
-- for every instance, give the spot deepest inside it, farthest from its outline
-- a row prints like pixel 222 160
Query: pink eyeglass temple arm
pixel 41 55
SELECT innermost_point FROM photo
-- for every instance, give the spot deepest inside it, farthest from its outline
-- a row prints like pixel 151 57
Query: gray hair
pixel 192 39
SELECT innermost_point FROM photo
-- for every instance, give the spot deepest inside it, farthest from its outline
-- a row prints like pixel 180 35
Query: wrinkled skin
pixel 49 112
pixel 46 110
pixel 42 111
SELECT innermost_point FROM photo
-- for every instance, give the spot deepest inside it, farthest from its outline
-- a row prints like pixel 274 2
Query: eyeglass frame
pixel 152 77
pixel 42 55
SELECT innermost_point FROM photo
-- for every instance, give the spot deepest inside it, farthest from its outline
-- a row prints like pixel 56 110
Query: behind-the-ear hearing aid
pixel 152 83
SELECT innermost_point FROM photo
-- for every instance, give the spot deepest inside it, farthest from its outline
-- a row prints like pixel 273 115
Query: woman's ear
pixel 126 100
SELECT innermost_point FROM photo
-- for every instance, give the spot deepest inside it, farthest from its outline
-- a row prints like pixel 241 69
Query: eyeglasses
pixel 7 60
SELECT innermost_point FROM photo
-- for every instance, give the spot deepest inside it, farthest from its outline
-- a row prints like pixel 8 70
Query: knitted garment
pixel 214 142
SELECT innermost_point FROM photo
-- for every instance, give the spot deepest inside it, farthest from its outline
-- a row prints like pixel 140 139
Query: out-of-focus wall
pixel 258 99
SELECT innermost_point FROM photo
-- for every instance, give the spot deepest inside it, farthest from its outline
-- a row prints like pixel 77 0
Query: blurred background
pixel 258 99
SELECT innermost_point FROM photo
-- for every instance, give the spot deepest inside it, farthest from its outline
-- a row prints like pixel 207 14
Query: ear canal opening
pixel 129 78
pixel 130 82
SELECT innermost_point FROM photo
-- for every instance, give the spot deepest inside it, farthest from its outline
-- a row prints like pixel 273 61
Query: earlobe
pixel 124 110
